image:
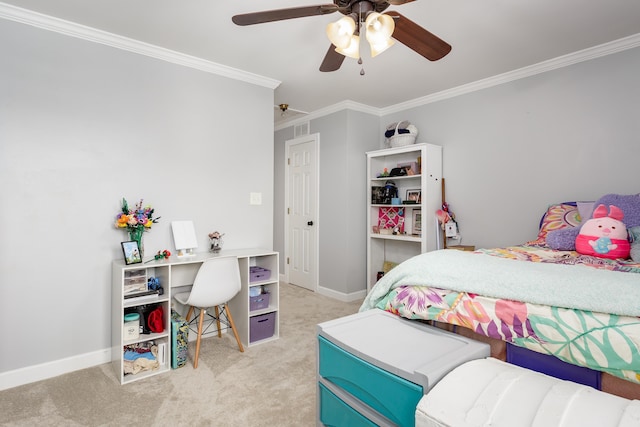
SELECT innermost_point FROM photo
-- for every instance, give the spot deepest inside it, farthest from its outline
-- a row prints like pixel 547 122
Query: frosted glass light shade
pixel 379 27
pixel 378 30
pixel 377 49
pixel 340 32
pixel 353 50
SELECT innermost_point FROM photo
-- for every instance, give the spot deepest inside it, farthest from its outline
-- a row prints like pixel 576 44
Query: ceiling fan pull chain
pixel 359 28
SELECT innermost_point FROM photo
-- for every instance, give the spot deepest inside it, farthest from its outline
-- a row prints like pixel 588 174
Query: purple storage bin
pixel 257 274
pixel 259 302
pixel 552 366
pixel 262 327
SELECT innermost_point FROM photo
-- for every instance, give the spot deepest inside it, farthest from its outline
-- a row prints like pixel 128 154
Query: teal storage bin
pixel 335 413
pixel 392 396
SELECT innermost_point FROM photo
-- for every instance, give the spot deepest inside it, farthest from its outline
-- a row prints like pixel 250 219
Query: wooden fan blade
pixel 417 38
pixel 282 14
pixel 399 2
pixel 332 60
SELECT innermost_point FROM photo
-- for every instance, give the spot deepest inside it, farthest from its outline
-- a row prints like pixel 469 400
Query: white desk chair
pixel 217 281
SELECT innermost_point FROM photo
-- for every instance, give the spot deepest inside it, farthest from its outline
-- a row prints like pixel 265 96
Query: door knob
pixel 310 223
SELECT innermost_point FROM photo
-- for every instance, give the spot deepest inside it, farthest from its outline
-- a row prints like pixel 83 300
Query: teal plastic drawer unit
pixel 378 363
pixel 337 413
pixel 392 396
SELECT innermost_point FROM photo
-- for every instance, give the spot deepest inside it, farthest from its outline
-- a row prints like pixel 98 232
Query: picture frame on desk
pixel 131 252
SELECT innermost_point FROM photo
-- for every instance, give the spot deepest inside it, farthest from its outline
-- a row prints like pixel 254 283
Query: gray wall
pixel 83 125
pixel 344 138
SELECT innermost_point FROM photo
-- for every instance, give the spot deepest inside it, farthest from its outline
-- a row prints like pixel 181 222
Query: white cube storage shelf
pixel 128 280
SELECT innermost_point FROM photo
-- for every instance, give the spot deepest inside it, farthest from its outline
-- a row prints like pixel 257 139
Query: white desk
pixel 174 274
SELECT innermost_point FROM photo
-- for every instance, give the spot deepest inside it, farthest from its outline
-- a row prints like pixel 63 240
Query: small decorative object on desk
pixel 215 241
pixel 136 221
pixel 165 254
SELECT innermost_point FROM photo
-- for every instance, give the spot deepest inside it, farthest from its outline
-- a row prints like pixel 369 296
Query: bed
pixel 581 309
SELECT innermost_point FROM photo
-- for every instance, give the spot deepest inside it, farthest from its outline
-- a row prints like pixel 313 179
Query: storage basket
pixel 257 274
pixel 403 139
pixel 261 327
pixel 259 302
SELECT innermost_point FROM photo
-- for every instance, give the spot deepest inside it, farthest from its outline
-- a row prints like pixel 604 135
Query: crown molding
pixel 45 22
pixel 521 73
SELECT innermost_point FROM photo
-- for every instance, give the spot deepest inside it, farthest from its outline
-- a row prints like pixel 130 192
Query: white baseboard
pixel 52 369
pixel 341 296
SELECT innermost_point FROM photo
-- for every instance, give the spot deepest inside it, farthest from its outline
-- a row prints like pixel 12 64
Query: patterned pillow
pixel 558 216
pixel 585 209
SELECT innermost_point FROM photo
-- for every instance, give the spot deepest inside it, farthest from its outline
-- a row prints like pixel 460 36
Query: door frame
pixel 315 138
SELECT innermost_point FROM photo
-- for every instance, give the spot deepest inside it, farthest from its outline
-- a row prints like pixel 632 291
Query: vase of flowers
pixel 215 241
pixel 136 221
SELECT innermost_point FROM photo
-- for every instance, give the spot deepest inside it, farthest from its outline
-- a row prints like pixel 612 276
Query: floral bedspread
pixel 539 254
pixel 600 341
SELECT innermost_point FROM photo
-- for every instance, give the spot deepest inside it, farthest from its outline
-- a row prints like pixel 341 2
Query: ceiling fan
pixel 369 12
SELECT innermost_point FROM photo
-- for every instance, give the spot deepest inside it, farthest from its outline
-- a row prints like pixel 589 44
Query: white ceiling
pixel 489 37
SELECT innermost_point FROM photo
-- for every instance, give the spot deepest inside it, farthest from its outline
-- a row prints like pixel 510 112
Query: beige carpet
pixel 271 384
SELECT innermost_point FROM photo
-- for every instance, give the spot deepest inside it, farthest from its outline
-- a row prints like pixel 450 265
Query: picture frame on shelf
pixel 410 167
pixel 417 222
pixel 131 252
pixel 377 195
pixel 414 196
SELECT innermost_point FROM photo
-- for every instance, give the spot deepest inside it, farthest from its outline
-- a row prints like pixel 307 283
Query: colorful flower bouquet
pixel 136 221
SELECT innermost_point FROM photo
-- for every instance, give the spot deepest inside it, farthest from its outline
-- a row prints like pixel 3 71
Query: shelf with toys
pixel 404 195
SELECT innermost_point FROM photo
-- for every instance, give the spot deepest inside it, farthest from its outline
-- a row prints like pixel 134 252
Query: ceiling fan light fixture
pixel 379 28
pixel 340 32
pixel 353 50
pixel 377 49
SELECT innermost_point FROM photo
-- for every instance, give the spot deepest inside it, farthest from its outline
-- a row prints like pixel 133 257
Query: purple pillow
pixel 565 239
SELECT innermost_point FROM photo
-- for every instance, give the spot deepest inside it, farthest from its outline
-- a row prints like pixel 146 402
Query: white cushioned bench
pixel 489 392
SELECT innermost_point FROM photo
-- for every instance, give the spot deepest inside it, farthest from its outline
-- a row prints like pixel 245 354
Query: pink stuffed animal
pixel 604 235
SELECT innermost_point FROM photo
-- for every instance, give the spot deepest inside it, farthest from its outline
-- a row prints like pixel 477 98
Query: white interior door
pixel 301 207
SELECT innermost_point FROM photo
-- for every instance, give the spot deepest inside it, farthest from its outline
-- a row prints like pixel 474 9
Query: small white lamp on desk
pixel 184 238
